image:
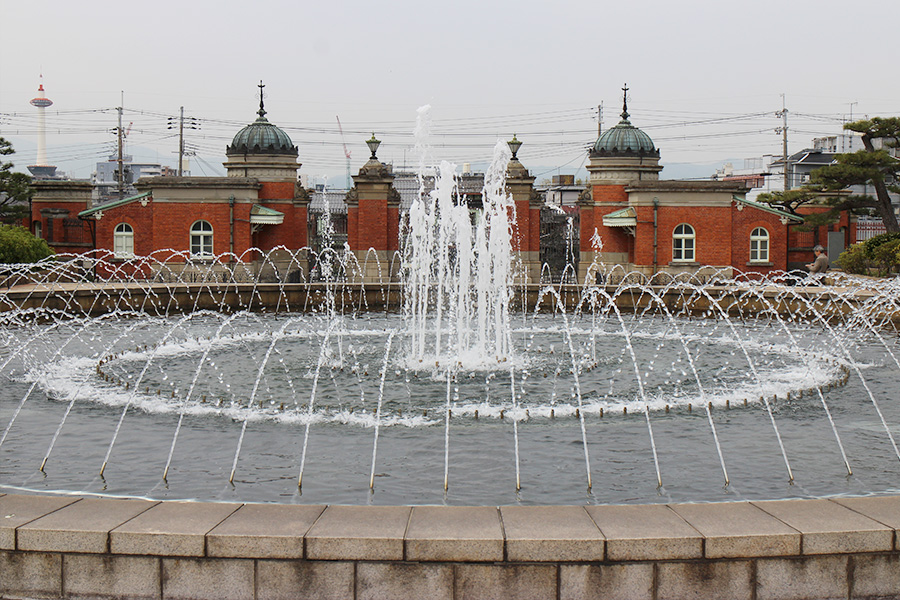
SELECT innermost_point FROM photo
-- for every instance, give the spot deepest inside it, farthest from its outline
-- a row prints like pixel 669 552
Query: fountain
pixel 482 392
pixel 469 388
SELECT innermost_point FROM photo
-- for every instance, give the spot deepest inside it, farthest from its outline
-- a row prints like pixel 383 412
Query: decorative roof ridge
pixel 767 208
pixel 102 207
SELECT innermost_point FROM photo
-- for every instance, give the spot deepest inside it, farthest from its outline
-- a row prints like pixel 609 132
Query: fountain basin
pixel 121 388
pixel 53 546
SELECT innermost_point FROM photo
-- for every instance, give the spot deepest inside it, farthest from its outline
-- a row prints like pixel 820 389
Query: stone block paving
pixel 100 548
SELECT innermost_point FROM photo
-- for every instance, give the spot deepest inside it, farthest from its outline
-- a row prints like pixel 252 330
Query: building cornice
pixel 163 182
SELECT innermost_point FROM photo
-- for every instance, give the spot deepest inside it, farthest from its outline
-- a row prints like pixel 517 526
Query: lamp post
pixel 514 145
pixel 373 144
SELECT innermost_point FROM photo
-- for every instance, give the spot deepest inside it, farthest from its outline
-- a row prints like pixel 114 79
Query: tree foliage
pixel 872 166
pixel 15 188
pixel 18 245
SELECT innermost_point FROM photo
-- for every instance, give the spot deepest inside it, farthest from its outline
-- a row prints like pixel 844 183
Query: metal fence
pixel 867 228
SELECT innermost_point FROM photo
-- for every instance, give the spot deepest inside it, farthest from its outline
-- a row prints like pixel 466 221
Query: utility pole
pixel 850 138
pixel 120 176
pixel 599 119
pixel 181 142
pixel 783 130
pixel 192 124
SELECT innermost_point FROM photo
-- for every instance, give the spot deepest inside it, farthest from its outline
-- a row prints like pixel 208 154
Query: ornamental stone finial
pixel 262 111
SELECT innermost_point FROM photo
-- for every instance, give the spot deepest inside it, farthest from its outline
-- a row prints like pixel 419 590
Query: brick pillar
pixel 373 209
pixel 527 230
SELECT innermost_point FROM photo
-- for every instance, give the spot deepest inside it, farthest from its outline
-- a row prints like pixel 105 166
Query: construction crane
pixel 346 152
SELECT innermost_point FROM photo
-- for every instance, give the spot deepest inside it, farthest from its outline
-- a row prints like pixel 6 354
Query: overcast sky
pixel 488 69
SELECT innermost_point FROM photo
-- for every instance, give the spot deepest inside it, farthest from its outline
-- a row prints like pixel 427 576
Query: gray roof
pixel 330 199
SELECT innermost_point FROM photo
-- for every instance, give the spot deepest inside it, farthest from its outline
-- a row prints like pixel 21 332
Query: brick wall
pixel 276 190
pixel 372 225
pixel 521 239
pixel 57 235
pixel 744 222
pixel 292 233
pixel 607 199
pixel 609 193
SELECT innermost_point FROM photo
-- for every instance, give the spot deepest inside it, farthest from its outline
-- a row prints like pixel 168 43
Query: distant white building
pixel 840 143
pixel 755 174
pixel 765 174
pixel 106 177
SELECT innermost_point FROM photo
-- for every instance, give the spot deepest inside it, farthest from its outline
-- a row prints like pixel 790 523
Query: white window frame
pixel 202 239
pixel 759 245
pixel 123 241
pixel 684 244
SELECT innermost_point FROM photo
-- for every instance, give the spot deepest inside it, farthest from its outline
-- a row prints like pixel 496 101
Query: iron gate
pixel 559 245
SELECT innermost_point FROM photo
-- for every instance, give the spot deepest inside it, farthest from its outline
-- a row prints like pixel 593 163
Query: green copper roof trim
pixel 261 215
pixel 91 211
pixel 625 217
pixel 265 211
pixel 767 208
pixel 623 212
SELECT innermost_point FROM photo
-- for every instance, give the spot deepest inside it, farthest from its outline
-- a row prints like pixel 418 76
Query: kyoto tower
pixel 41 170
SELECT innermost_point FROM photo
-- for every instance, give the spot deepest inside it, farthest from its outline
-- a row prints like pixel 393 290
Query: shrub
pixel 18 245
pixel 872 244
pixel 885 257
pixel 854 260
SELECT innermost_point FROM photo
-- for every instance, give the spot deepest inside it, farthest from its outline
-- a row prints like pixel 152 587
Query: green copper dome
pixel 624 138
pixel 261 137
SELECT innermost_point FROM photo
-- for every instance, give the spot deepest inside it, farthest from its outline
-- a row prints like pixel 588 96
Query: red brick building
pixel 629 218
pixel 55 205
pixel 222 220
pixel 255 220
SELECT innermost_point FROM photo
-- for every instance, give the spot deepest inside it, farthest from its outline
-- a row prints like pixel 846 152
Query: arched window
pixel 683 243
pixel 37 229
pixel 123 241
pixel 759 245
pixel 201 239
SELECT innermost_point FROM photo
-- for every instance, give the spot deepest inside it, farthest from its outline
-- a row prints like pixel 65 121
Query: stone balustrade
pixel 73 547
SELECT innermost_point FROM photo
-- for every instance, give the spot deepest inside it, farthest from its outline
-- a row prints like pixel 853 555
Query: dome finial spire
pixel 262 111
pixel 625 114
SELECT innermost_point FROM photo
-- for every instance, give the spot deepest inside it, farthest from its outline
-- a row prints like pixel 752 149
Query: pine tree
pixel 15 188
pixel 873 166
